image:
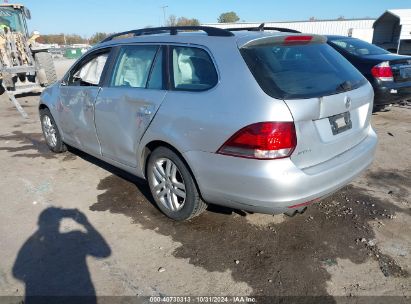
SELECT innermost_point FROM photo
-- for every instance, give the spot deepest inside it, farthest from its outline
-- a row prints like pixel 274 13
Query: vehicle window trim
pixel 159 49
pixel 167 67
pixel 170 68
pixel 110 66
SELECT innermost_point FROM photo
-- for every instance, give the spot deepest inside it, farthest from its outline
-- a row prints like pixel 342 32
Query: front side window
pixel 193 69
pixel 89 72
pixel 133 66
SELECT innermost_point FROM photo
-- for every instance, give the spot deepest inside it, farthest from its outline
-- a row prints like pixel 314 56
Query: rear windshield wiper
pixel 344 86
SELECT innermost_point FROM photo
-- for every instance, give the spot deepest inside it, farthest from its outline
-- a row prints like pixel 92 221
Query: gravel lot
pixel 356 242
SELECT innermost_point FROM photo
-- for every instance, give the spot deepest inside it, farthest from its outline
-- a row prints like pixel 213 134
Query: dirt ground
pixel 355 243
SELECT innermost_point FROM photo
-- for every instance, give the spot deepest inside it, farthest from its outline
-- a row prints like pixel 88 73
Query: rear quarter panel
pixel 203 121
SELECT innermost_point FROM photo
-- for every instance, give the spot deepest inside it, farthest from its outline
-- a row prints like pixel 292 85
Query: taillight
pixel 264 140
pixel 382 71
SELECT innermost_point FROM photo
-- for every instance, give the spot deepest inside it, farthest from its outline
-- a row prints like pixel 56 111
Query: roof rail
pixel 173 30
pixel 261 28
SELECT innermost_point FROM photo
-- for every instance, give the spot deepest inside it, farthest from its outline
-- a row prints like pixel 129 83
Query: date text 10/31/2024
pixel 202 299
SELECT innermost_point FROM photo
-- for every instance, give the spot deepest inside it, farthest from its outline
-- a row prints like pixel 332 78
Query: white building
pixel 325 27
pixel 392 30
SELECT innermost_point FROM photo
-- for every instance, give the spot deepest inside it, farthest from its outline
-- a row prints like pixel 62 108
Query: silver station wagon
pixel 261 120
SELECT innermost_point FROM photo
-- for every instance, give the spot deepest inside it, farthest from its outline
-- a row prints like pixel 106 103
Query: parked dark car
pixel 389 74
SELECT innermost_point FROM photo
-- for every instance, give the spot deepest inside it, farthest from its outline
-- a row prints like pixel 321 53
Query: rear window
pixel 357 47
pixel 301 71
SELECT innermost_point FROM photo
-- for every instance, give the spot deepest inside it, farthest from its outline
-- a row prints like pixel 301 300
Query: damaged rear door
pixel 130 99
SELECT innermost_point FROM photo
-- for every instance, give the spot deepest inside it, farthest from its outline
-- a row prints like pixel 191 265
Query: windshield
pixel 301 71
pixel 357 47
pixel 11 19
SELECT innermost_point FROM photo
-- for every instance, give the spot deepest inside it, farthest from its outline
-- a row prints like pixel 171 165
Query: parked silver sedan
pixel 254 120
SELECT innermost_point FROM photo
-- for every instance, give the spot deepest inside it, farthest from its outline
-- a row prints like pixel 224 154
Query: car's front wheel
pixel 172 185
pixel 51 132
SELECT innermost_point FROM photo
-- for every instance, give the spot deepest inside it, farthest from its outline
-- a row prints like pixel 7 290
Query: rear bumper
pixel 392 93
pixel 272 186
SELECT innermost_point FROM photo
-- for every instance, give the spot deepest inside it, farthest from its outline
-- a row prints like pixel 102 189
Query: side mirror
pixel 26 13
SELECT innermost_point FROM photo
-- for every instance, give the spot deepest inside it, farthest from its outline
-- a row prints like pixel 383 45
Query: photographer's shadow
pixel 52 263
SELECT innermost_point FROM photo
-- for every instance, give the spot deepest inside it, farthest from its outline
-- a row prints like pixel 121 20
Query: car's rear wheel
pixel 381 108
pixel 172 185
pixel 51 132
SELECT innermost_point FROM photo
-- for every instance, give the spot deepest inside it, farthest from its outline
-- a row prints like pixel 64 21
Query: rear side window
pixel 301 70
pixel 192 69
pixel 133 66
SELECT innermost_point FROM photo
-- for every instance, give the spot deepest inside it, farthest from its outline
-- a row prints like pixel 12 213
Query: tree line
pixel 67 39
pixel 172 20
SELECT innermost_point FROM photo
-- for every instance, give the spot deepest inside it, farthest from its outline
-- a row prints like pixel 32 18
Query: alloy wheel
pixel 168 184
pixel 49 131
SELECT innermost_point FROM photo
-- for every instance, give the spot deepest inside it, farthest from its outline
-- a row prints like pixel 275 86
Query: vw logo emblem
pixel 347 102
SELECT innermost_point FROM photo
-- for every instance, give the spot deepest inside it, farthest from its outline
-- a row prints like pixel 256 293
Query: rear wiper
pixel 344 86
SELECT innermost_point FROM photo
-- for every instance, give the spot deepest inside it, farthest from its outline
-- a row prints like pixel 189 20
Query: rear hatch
pixel 330 101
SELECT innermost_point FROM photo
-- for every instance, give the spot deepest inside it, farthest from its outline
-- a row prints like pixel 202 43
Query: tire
pixel 378 108
pixel 381 108
pixel 44 60
pixel 21 77
pixel 8 81
pixel 172 185
pixel 51 132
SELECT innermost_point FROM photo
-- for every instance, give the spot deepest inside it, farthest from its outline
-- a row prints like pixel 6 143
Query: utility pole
pixel 164 13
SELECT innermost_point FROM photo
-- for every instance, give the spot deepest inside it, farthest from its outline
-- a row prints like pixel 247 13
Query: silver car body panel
pixel 197 124
pixel 76 116
pixel 271 186
pixel 318 143
pixel 122 117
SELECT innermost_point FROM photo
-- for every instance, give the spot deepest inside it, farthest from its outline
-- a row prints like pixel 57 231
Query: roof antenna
pixel 261 27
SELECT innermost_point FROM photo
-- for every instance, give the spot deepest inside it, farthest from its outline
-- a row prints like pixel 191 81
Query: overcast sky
pixel 86 17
